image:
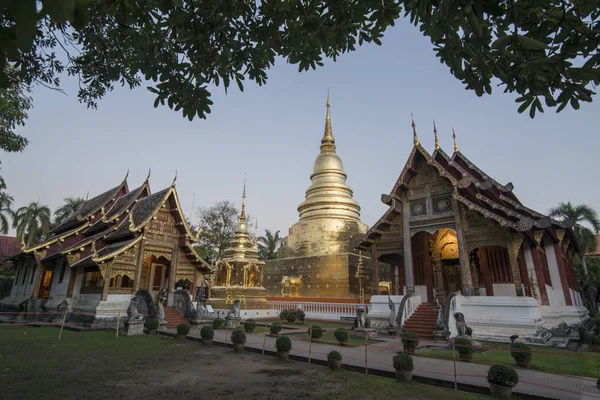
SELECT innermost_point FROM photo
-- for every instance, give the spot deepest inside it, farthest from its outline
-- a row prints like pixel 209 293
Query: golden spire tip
pixel 437 142
pixel 414 126
pixel 455 144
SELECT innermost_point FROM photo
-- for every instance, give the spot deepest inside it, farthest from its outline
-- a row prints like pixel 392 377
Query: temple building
pixel 239 274
pixel 117 243
pixel 316 259
pixel 453 232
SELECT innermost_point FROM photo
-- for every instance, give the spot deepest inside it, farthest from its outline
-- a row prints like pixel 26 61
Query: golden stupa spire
pixel 437 142
pixel 243 213
pixel 454 137
pixel 328 142
pixel 256 231
pixel 415 138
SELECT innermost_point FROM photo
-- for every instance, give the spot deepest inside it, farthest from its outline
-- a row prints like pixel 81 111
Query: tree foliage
pixel 7 276
pixel 580 215
pixel 268 245
pixel 216 226
pixel 5 212
pixel 70 206
pixel 32 222
pixel 543 50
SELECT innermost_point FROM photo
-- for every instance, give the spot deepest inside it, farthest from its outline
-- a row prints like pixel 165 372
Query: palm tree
pixel 578 215
pixel 70 207
pixel 32 222
pixel 268 244
pixel 5 211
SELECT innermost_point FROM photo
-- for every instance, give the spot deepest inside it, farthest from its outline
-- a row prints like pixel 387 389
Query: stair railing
pixel 408 306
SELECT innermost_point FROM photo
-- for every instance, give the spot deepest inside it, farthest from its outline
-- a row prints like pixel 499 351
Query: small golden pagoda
pixel 239 275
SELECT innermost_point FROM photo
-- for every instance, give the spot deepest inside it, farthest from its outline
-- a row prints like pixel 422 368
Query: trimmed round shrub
pixel 464 347
pixel 403 362
pixel 290 316
pixel 410 341
pixel 218 323
pixel 341 335
pixel 283 343
pixel 334 355
pixel 183 329
pixel 503 375
pixel 317 332
pixel 238 336
pixel 593 340
pixel 598 383
pixel 249 325
pixel 283 315
pixel 300 315
pixel 275 329
pixel 151 324
pixel 521 353
pixel 207 332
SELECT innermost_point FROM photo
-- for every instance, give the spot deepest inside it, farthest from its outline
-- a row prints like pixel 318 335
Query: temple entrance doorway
pixel 451 275
pixel 155 275
pixel 44 292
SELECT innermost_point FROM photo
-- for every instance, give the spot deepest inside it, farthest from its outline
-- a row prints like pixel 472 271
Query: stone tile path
pixel 379 356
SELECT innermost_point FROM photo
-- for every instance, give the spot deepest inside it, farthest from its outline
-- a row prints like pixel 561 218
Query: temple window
pixel 92 278
pixel 545 270
pixel 126 282
pixel 499 264
pixel 115 281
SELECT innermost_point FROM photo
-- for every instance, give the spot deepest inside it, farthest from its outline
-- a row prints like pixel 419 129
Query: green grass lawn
pixel 545 359
pixel 97 365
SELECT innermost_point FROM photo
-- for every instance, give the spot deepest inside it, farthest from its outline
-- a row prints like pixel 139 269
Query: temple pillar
pixel 138 266
pixel 474 271
pixel 39 273
pixel 485 271
pixel 106 276
pixel 535 289
pixel 463 254
pixel 397 288
pixel 436 266
pixel 408 258
pixel 539 274
pixel 376 268
pixel 562 268
pixel 514 245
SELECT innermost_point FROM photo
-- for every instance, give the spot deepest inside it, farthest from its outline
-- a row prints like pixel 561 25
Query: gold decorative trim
pixel 538 235
pixel 117 252
pixel 560 234
pixel 57 237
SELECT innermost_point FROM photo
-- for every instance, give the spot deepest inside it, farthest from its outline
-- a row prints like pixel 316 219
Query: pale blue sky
pixel 273 132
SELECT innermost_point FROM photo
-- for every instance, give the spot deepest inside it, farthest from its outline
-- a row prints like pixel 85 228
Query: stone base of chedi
pixel 251 298
pixel 327 276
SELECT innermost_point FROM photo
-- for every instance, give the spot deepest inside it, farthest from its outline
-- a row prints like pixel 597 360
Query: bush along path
pixel 379 357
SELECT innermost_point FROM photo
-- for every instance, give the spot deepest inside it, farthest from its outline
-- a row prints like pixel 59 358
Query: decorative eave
pixel 128 206
pixel 116 252
pixel 188 245
pixel 503 188
pixel 135 228
pixel 56 238
pixel 190 235
pixel 81 244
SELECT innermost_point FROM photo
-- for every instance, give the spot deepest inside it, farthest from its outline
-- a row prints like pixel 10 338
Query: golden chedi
pixel 316 259
pixel 239 274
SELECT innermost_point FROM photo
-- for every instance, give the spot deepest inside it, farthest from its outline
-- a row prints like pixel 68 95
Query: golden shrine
pixel 239 275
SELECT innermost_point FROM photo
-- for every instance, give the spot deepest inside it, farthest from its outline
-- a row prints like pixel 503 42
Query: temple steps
pixel 422 322
pixel 173 318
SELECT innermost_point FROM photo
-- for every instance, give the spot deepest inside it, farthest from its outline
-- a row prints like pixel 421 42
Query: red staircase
pixel 422 322
pixel 173 318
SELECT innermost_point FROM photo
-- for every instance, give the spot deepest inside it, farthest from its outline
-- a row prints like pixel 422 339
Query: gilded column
pixel 107 274
pixel 138 266
pixel 39 273
pixel 514 245
pixel 376 267
pixel 409 280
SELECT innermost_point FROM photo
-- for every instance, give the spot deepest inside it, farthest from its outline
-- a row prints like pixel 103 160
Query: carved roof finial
pixel 328 141
pixel 415 138
pixel 149 172
pixel 174 179
pixel 87 195
pixel 126 175
pixel 454 137
pixel 437 142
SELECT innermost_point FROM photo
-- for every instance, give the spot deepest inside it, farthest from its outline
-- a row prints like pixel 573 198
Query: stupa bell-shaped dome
pixel 328 195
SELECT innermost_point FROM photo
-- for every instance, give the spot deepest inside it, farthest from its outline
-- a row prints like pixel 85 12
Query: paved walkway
pixel 379 356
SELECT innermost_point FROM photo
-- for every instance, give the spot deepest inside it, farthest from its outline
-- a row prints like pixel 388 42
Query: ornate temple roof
pixel 242 248
pixel 91 206
pixel 328 195
pixel 471 187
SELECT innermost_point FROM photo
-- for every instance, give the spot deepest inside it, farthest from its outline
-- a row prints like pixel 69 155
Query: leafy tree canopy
pixel 268 245
pixel 544 50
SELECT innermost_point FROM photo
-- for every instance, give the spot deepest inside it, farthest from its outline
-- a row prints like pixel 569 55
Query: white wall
pixel 422 290
pixel 558 295
pixel 533 281
pixel 504 289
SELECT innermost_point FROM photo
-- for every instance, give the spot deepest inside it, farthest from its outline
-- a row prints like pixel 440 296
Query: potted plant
pixel 342 336
pixel 207 333
pixel 249 325
pixel 522 354
pixel 334 359
pixel 410 341
pixel 403 364
pixel 315 332
pixel 151 325
pixel 300 314
pixel 238 338
pixel 464 347
pixel 283 345
pixel 182 330
pixel 218 323
pixel 502 379
pixel 275 329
